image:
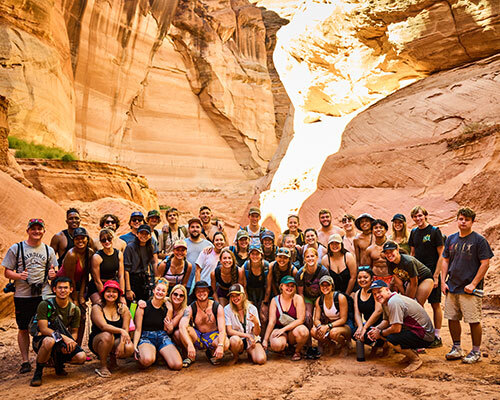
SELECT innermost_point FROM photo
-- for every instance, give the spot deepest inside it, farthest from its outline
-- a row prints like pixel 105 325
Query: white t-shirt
pixel 233 321
pixel 207 263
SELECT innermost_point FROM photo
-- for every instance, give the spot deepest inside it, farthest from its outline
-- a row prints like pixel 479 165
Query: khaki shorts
pixel 466 306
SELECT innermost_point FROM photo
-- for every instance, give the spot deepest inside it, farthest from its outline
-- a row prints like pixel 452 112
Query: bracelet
pixel 381 330
pixel 128 290
pixel 330 325
pixel 220 345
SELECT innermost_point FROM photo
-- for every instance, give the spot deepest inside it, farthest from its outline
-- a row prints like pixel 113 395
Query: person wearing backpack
pixel 57 322
pixel 30 264
pixel 176 268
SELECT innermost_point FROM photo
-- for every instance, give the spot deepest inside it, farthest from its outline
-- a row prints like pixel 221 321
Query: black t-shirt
pixel 426 241
pixel 409 267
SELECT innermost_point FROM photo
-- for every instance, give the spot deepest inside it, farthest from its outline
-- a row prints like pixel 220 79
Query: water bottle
pixel 360 350
pixel 478 292
pixel 133 307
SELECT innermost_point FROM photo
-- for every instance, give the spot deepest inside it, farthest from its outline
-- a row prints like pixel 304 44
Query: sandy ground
pixel 280 378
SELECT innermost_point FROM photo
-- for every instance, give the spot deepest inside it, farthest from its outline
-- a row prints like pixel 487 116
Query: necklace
pixel 209 317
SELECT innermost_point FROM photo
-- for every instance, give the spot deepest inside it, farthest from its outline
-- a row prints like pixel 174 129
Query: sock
pixel 457 344
pixel 436 333
pixel 39 367
pixel 475 349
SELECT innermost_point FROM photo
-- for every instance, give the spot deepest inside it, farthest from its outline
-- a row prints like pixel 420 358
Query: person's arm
pixel 95 271
pixel 382 331
pixel 98 319
pixel 271 323
pixel 177 318
pixel 160 268
pixel 398 284
pixel 214 286
pixel 343 310
pixel 444 274
pixel 54 243
pixel 221 327
pixel 439 263
pixel 139 314
pixel 197 273
pixel 411 289
pixel 187 274
pixel 168 323
pixel 358 319
pixel 481 272
pixel 241 277
pixel 351 264
pixel 69 265
pixel 269 284
pixel 186 339
pixel 324 260
pixel 375 315
pixel 412 251
pixel 357 250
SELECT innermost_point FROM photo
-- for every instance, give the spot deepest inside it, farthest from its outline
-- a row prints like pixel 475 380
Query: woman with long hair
pixel 209 258
pixel 178 299
pixel 255 273
pixel 240 250
pixel 225 275
pixel 292 223
pixel 290 242
pixel 400 233
pixel 277 270
pixel 311 240
pixel 109 335
pixel 341 264
pixel 243 326
pixel 176 269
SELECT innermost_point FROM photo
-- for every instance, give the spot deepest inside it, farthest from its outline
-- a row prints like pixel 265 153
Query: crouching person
pixel 58 322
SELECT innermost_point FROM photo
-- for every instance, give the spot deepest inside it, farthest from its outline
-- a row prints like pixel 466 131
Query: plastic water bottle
pixel 360 351
pixel 133 307
pixel 478 292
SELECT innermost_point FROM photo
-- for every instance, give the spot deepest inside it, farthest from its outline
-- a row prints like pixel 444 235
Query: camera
pixel 36 289
pixel 9 287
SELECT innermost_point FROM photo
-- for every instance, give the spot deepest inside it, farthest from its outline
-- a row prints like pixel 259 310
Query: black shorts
pixel 435 296
pixel 407 340
pixel 25 310
pixel 56 350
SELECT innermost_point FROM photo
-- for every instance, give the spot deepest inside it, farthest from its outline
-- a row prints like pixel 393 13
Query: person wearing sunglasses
pixel 136 220
pixel 278 270
pixel 178 299
pixel 106 264
pixel 112 222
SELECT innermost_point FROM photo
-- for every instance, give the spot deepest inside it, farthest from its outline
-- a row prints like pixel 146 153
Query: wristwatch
pixel 330 325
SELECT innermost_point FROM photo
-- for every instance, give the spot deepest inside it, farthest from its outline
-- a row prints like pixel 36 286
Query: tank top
pixel 239 260
pixel 366 308
pixel 292 312
pixel 255 281
pixel 331 313
pixel 78 275
pixel 174 279
pixel 341 279
pixel 278 274
pixel 153 317
pixel 109 265
pixel 220 282
pixel 300 240
pixel 69 246
pixel 117 324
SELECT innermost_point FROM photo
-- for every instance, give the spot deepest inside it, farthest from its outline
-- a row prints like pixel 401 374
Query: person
pixel 292 223
pixel 255 278
pixel 135 221
pixel 76 266
pixel 30 264
pixel 62 241
pixel 286 327
pixel 208 227
pixel 243 326
pixel 112 222
pixel 405 325
pixel 364 238
pixel 207 260
pixel 373 256
pixel 277 271
pixel 240 251
pixel 152 329
pixel 426 245
pixel 332 322
pixel 400 232
pixel 225 275
pixel 195 245
pixel 176 269
pixel 340 264
pixel 326 228
pixel 268 246
pixel 311 240
pixel 253 228
pixel 466 259
pixel 153 219
pixel 209 326
pixel 171 232
pixel 350 233
pixel 410 276
pixel 139 262
pixel 289 241
pixel 57 321
pixel 106 264
pixel 366 309
pixel 109 335
pixel 178 299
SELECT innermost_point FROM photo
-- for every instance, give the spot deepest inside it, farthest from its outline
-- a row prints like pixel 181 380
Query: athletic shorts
pixel 435 296
pixel 206 340
pixel 462 305
pixel 56 350
pixel 159 339
pixel 387 279
pixel 25 308
pixel 407 340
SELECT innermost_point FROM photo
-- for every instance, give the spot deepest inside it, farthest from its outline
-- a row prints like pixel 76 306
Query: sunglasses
pixel 364 268
pixel 106 240
pixel 110 221
pixel 180 295
pixel 345 220
pixel 136 220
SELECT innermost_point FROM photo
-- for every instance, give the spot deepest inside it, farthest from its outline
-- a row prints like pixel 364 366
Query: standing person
pixel 426 245
pixel 208 227
pixel 340 264
pixel 466 259
pixel 287 313
pixel 411 277
pixel 207 260
pixel 374 256
pixel 195 245
pixel 135 221
pixel 253 228
pixel 29 264
pixel 112 222
pixel 293 229
pixel 350 233
pixel 171 232
pixel 226 274
pixel 311 239
pixel 326 228
pixel 277 271
pixel 63 241
pixel 255 274
pixel 400 232
pixel 153 219
pixel 243 326
pixel 109 335
pixel 208 330
pixel 176 269
pixel 406 326
pixel 240 251
pixel 365 237
pixel 106 264
pixel 58 320
pixel 268 246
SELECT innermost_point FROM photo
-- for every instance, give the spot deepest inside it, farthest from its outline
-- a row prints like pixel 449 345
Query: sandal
pixel 296 357
pixel 211 359
pixel 103 372
pixel 186 363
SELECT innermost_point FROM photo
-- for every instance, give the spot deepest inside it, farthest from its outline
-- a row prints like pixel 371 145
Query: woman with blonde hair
pixel 400 233
pixel 178 299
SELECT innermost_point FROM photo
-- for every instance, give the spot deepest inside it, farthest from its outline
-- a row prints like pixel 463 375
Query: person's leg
pixel 455 331
pixel 236 347
pixel 476 333
pixel 309 315
pixel 257 354
pixel 277 344
pixel 223 301
pixel 44 352
pixel 438 317
pixel 147 354
pixel 103 344
pixel 25 309
pixel 172 357
pixel 78 358
pixel 424 289
pixel 83 322
pixel 23 340
pixel 300 337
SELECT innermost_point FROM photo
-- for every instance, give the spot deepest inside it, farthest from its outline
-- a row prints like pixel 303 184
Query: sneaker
pixel 437 342
pixel 25 367
pixel 454 354
pixel 472 357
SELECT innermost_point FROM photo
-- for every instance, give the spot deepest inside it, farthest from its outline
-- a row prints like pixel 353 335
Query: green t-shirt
pixel 70 319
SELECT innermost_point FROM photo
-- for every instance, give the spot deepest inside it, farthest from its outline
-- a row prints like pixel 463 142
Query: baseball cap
pixel 335 238
pixel 236 289
pixel 399 217
pixel 379 283
pixel 390 245
pixel 267 234
pixel 283 251
pixel 80 232
pixel 254 210
pixel 254 247
pixel 180 243
pixel 194 220
pixel 287 279
pixel 326 278
pixel 153 213
pixel 36 221
pixel 242 234
pixel 144 227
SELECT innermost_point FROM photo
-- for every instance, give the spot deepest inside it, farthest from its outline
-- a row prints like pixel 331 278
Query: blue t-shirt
pixel 465 255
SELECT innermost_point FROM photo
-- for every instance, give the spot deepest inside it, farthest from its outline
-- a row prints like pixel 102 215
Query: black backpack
pixel 194 308
pixel 54 319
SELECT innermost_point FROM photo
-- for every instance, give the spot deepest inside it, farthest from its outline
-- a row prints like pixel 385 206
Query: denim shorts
pixel 158 339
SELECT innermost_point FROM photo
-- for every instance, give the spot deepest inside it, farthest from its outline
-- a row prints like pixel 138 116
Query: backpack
pixel 194 308
pixel 246 267
pixel 350 304
pixel 20 249
pixel 54 319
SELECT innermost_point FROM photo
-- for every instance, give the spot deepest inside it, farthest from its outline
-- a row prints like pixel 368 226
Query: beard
pixel 194 235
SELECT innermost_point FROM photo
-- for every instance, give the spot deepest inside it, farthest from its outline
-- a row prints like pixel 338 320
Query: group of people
pixel 173 290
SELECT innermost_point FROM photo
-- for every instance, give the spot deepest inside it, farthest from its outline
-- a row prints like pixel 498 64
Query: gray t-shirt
pixel 193 251
pixel 35 259
pixel 407 312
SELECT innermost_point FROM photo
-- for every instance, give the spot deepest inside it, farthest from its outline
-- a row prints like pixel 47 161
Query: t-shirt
pixel 465 255
pixel 169 237
pixel 254 236
pixel 407 312
pixel 136 260
pixel 426 241
pixel 207 263
pixel 409 267
pixel 233 321
pixel 69 322
pixel 35 259
pixel 130 237
pixel 310 282
pixel 193 252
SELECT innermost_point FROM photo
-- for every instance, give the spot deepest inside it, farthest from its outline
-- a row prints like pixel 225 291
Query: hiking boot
pixel 437 342
pixel 454 354
pixel 60 371
pixel 37 376
pixel 25 367
pixel 472 358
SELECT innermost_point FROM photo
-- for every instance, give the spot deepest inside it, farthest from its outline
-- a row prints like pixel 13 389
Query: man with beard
pixel 63 241
pixel 209 228
pixel 195 245
pixel 111 222
pixel 365 237
pixel 373 255
pixel 327 229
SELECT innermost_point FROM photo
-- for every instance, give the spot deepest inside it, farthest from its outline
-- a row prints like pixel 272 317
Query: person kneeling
pixel 110 323
pixel 406 325
pixel 243 326
pixel 58 322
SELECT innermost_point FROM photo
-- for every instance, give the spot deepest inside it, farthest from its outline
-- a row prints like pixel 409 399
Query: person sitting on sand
pixel 178 299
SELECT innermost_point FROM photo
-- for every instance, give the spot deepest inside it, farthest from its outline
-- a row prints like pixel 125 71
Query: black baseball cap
pixel 390 245
pixel 399 217
pixel 379 283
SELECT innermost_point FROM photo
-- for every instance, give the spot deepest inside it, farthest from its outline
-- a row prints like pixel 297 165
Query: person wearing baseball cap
pixel 277 270
pixel 253 228
pixel 153 219
pixel 406 325
pixel 399 232
pixel 255 270
pixel 135 221
pixel 240 248
pixel 176 269
pixel 268 246
pixel 340 264
pixel 364 238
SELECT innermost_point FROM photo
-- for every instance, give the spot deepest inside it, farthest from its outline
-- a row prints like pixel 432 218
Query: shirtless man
pixel 365 237
pixel 350 233
pixel 209 228
pixel 327 229
pixel 374 256
pixel 209 326
pixel 112 222
pixel 63 241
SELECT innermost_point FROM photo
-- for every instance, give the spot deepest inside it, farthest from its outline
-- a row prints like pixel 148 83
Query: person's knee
pixel 259 357
pixel 176 364
pixel 278 346
pixel 301 333
pixel 235 342
pixel 147 359
pixel 79 358
pixel 48 342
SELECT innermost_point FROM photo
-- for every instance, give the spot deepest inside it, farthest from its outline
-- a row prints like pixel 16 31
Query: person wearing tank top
pixel 341 265
pixel 109 335
pixel 277 271
pixel 255 277
pixel 365 237
pixel 62 242
pixel 176 269
pixel 225 275
pixel 153 326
